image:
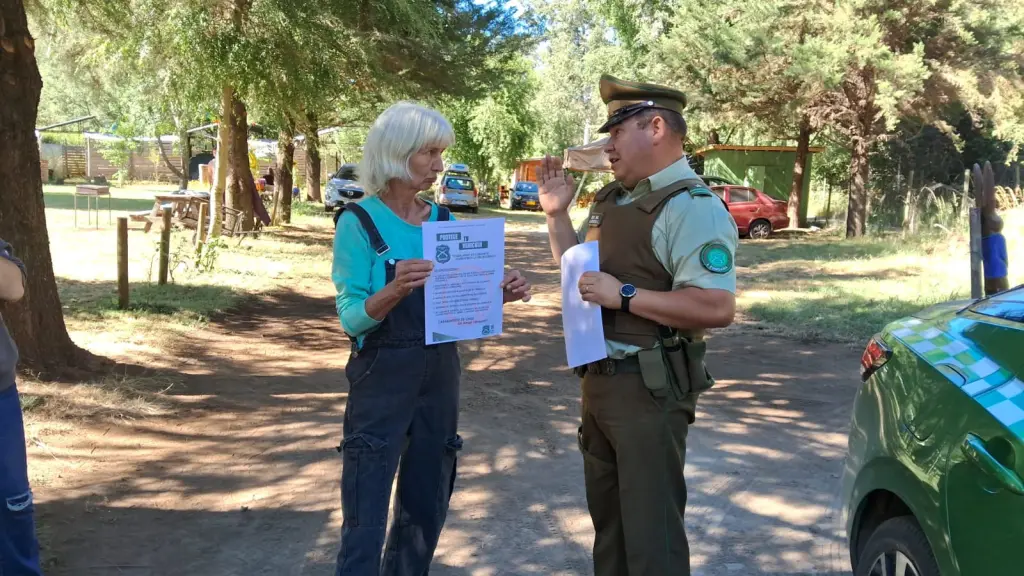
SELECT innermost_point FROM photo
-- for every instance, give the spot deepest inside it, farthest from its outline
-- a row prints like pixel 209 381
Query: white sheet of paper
pixel 581 321
pixel 463 293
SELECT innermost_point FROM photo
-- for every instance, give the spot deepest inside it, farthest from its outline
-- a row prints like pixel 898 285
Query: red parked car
pixel 756 214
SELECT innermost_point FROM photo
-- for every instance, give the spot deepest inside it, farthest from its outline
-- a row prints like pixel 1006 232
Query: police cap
pixel 626 99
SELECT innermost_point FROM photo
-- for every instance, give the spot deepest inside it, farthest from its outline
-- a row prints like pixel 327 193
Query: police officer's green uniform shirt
pixel 685 229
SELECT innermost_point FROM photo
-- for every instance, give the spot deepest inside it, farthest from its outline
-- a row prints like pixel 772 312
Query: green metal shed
pixel 767 168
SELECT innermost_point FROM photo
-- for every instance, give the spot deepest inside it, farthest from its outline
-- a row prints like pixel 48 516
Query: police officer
pixel 667 247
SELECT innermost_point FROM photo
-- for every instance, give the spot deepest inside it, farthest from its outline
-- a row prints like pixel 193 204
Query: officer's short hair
pixel 673 120
pixel 397 134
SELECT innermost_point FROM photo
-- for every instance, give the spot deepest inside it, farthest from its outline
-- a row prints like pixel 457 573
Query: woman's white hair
pixel 397 134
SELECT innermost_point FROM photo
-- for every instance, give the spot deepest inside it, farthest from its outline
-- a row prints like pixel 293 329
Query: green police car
pixel 934 476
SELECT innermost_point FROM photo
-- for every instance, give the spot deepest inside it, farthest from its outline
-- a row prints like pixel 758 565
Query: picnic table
pixel 91 191
pixel 185 212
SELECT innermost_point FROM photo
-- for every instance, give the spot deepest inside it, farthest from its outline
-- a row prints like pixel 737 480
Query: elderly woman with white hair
pixel 403 401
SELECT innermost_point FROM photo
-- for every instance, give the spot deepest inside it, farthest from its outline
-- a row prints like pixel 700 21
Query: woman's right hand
pixel 410 275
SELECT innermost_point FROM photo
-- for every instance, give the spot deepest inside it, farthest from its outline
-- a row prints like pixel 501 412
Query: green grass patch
pixel 66 201
pixel 30 402
pixel 832 313
pixel 309 209
pixel 186 304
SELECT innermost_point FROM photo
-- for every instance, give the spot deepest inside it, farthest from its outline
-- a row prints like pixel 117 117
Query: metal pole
pixel 165 246
pixel 122 262
pixel 975 230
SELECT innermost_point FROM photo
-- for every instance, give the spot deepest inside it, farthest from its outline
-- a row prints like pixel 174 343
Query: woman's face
pixel 424 166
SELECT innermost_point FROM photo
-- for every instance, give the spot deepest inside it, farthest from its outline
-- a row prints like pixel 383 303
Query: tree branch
pixel 167 161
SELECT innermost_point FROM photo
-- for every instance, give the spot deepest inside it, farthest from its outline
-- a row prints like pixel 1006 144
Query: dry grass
pixel 117 398
pixel 828 288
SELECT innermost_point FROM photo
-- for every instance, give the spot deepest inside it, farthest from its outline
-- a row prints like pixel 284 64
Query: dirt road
pixel 242 478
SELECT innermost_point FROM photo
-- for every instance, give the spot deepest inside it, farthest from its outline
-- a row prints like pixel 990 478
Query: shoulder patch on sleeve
pixel 716 258
pixel 700 192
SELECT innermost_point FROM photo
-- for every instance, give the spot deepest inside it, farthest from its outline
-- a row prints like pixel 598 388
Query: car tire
pixel 474 210
pixel 759 230
pixel 898 544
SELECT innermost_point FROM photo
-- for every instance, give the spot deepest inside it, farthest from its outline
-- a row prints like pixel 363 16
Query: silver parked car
pixel 342 188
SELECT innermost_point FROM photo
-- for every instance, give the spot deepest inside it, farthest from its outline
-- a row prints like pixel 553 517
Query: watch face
pixel 628 290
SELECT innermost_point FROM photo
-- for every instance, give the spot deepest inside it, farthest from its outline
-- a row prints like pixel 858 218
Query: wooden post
pixel 122 262
pixel 165 246
pixel 967 188
pixel 975 231
pixel 201 227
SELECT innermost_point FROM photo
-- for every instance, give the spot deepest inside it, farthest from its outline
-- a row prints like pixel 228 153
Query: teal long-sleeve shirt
pixel 358 272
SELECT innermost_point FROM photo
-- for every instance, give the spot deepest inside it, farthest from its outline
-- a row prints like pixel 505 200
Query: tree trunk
pixel 37 321
pixel 283 174
pixel 856 214
pixel 241 186
pixel 796 191
pixel 220 178
pixel 860 91
pixel 312 160
pixel 185 147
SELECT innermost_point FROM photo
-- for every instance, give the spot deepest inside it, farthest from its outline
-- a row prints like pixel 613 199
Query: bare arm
pixel 12 281
pixel 380 303
pixel 561 235
pixel 686 308
pixel 409 275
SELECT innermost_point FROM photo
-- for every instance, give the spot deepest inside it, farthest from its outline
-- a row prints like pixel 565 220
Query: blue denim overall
pixel 402 415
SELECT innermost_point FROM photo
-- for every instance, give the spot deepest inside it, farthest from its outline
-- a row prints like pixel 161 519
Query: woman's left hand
pixel 515 287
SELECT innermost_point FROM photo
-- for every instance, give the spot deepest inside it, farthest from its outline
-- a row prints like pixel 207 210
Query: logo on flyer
pixel 443 254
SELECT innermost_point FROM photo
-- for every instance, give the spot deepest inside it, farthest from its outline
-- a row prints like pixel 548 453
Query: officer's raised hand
pixel 410 275
pixel 556 187
pixel 601 289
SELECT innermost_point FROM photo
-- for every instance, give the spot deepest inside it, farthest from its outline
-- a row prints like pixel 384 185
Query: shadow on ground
pixel 243 477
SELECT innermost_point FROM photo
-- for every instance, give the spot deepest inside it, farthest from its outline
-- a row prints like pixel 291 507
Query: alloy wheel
pixel 760 230
pixel 893 563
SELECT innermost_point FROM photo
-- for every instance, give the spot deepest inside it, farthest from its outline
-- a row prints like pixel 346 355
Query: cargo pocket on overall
pixel 360 365
pixel 364 482
pixel 449 468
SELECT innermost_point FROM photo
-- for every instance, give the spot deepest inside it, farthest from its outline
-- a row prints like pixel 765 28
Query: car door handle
pixel 974 448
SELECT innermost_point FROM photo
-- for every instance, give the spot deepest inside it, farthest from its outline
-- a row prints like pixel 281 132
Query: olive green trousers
pixel 634 449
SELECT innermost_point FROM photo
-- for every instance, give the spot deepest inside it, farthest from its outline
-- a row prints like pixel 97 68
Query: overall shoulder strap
pixel 376 240
pixel 443 214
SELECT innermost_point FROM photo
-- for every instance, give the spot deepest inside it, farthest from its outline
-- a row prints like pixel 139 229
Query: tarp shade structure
pixel 587 157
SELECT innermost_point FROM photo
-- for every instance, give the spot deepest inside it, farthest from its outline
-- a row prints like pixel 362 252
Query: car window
pixel 741 195
pixel 526 187
pixel 459 183
pixel 346 173
pixel 720 192
pixel 1007 305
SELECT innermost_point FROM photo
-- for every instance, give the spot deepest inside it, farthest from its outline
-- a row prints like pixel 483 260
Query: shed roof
pixel 719 147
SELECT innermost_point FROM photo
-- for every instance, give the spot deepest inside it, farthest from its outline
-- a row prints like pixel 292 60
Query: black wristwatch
pixel 627 292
